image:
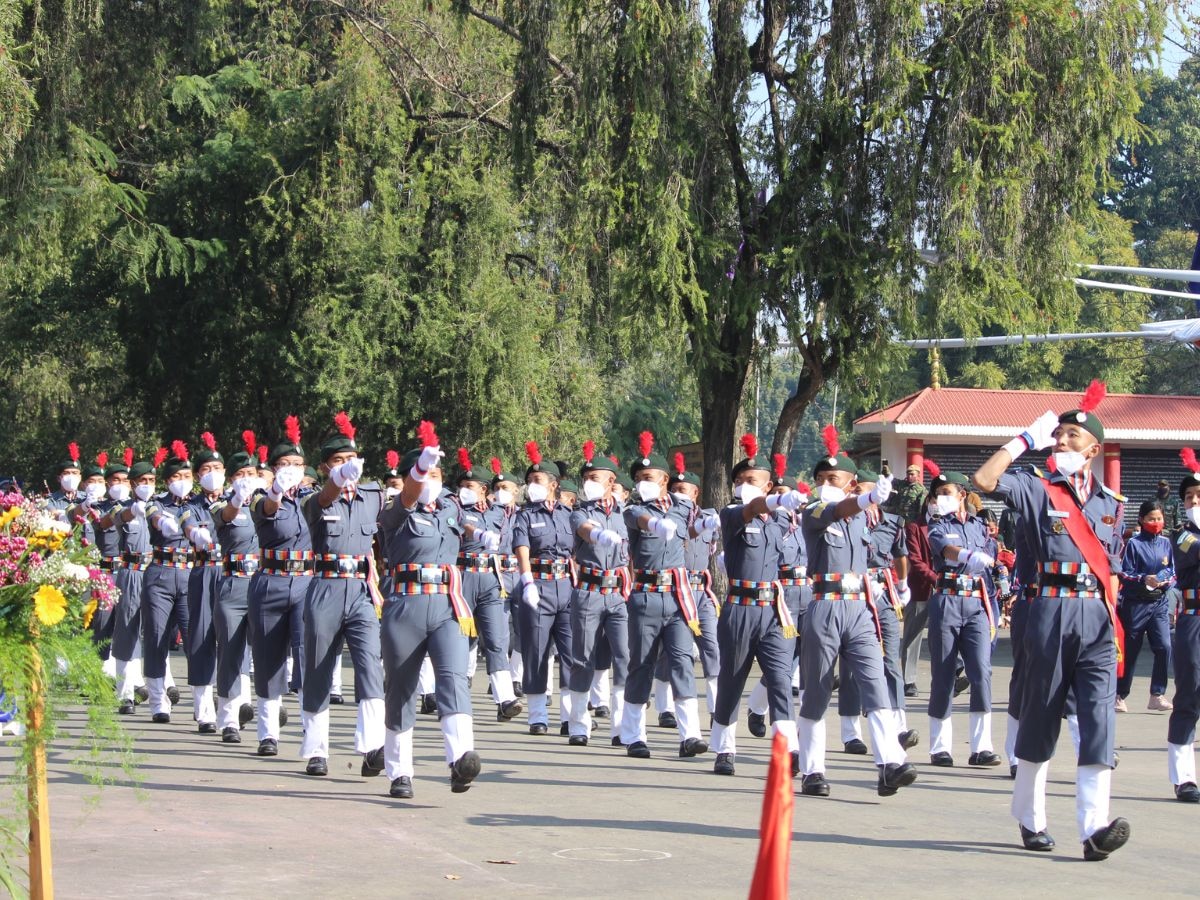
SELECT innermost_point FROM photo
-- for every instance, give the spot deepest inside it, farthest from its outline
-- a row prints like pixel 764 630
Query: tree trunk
pixel 721 390
pixel 807 387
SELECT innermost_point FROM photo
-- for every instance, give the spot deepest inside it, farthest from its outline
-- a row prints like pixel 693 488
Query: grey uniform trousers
pixel 656 624
pixel 959 626
pixel 201 642
pixel 164 607
pixel 598 620
pixel 337 610
pixel 746 634
pixel 846 627
pixel 276 613
pixel 414 625
pixel 231 621
pixel 551 621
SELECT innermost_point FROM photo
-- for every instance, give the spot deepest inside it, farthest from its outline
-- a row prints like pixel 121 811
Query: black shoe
pixel 1187 792
pixel 638 750
pixel 372 763
pixel 268 747
pixel 317 766
pixel 518 691
pixel 892 777
pixel 1036 840
pixel 509 710
pixel 1012 771
pixel 961 683
pixel 601 712
pixel 464 771
pixel 1109 838
pixel 564 729
pixel 173 694
pixel 428 704
pixel 538 728
pixel 401 788
pixel 814 785
pixel 667 720
pixel 336 700
pixel 283 716
pixel 692 747
pixel 126 708
pixel 245 715
pixel 910 690
pixel 837 681
pixel 724 764
pixel 909 739
pixel 207 728
pixel 577 740
pixel 984 758
pixel 140 694
pixel 756 724
pixel 231 735
pixel 855 746
pixel 943 760
pixel 1116 759
pixel 795 755
pixel 795 691
pixel 161 718
pixel 616 741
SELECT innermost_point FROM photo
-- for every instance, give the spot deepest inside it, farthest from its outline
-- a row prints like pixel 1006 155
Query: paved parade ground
pixel 547 820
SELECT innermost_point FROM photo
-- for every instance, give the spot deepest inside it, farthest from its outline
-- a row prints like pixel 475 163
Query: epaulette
pixel 1032 469
pixel 1119 497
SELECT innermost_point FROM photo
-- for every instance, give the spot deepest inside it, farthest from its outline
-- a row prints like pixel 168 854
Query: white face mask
pixel 504 497
pixel 69 483
pixel 536 493
pixel 1193 514
pixel 649 491
pixel 467 496
pixel 144 491
pixel 181 487
pixel 946 505
pixel 680 496
pixel 392 492
pixel 430 491
pixel 592 490
pixel 119 492
pixel 95 492
pixel 828 493
pixel 1069 461
pixel 212 481
pixel 745 492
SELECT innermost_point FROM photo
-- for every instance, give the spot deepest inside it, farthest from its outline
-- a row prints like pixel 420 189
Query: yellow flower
pixel 9 516
pixel 49 605
pixel 89 611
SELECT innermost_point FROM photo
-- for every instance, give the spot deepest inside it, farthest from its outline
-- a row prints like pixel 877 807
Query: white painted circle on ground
pixel 611 854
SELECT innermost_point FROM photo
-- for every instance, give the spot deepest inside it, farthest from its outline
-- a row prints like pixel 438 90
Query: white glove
pixel 530 594
pixel 347 473
pixel 201 537
pixel 664 528
pixel 490 541
pixel 1037 436
pixel 903 592
pixel 242 489
pixel 285 479
pixel 882 490
pixel 721 562
pixel 606 537
pixel 791 501
pixel 707 523
pixel 168 526
pixel 138 508
pixel 977 562
pixel 430 458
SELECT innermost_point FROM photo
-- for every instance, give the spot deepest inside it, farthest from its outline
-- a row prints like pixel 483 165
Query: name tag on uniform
pixel 954 537
pixel 1058 514
pixel 422 521
pixel 537 524
pixel 755 530
pixel 326 517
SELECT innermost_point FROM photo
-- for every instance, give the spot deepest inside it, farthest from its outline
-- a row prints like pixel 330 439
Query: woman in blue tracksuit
pixel 1147 575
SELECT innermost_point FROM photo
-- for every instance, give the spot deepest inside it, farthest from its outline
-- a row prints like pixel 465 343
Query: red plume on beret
pixel 780 464
pixel 829 437
pixel 128 457
pixel 932 468
pixel 1093 396
pixel 495 464
pixel 180 450
pixel 749 445
pixel 344 425
pixel 426 434
pixel 291 428
pixel 645 444
pixel 209 441
pixel 102 458
pixel 464 459
pixel 680 468
pixel 615 461
pixel 1188 455
pixel 262 454
pixel 533 452
pixel 803 487
pixel 73 452
pixel 392 458
pixel 589 451
pixel 249 441
pixel 160 456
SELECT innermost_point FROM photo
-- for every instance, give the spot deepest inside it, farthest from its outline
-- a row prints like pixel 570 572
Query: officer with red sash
pixel 1071 635
pixel 1181 731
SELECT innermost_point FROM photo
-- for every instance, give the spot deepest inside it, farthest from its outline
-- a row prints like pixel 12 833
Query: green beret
pixel 786 481
pixel 140 468
pixel 310 472
pixel 91 470
pixel 66 464
pixel 625 481
pixel 408 461
pixel 956 478
pixel 684 478
pixel 1085 420
pixel 867 475
pixel 337 443
pixel 544 466
pixel 653 461
pixel 117 468
pixel 504 476
pixel 173 465
pixel 285 448
pixel 242 460
pixel 569 486
pixel 597 464
pixel 206 456
pixel 839 463
pixel 1190 480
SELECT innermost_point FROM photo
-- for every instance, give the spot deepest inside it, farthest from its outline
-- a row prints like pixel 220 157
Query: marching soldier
pixel 841 620
pixel 1071 633
pixel 1181 731
pixel 69 478
pixel 503 487
pixel 97 506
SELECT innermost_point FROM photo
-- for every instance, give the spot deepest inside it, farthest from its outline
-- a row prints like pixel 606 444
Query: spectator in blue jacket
pixel 1147 576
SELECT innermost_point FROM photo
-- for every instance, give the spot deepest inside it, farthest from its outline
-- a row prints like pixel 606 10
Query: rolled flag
pixel 770 880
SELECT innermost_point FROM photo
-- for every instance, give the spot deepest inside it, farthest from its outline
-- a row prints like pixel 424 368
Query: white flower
pixel 75 572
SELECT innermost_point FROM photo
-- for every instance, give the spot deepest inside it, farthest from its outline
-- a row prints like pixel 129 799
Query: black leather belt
pixel 957 582
pixel 556 567
pixel 137 559
pixel 245 566
pixel 288 566
pixel 1084 581
pixel 607 580
pixel 433 574
pixel 174 556
pixel 657 577
pixel 762 594
pixel 346 566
